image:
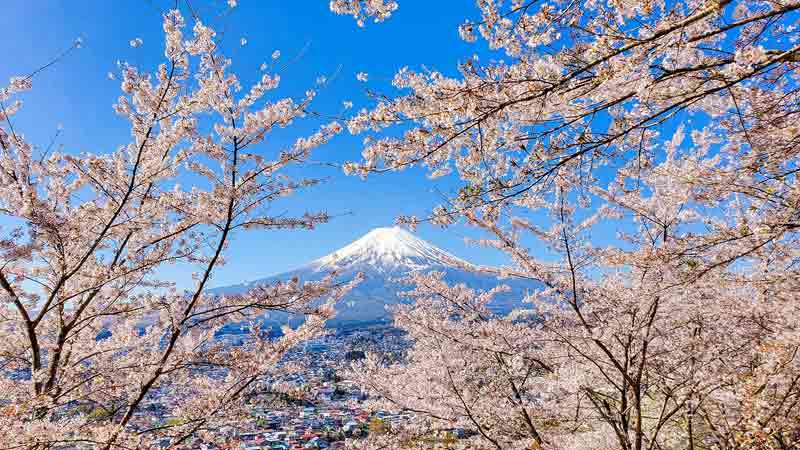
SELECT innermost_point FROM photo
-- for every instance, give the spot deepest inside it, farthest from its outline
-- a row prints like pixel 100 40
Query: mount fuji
pixel 383 255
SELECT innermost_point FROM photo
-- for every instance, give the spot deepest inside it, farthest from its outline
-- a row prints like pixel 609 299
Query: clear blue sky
pixel 77 94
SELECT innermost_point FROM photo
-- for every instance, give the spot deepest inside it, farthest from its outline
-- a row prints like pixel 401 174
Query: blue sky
pixel 77 94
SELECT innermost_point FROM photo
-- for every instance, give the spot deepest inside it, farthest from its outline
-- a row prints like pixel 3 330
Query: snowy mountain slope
pixel 388 249
pixel 383 255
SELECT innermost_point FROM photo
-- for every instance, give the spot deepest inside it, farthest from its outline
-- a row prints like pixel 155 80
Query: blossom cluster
pixel 378 10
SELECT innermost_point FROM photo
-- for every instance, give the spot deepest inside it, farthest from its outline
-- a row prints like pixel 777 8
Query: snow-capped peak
pixel 389 248
pixel 385 255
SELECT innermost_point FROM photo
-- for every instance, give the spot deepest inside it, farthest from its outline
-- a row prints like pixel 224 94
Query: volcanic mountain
pixel 383 255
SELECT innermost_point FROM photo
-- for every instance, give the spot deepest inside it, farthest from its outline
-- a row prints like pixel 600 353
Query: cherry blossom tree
pixel 92 335
pixel 673 124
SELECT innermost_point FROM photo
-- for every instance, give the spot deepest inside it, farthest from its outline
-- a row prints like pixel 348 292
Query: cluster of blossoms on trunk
pixel 637 161
pixel 92 333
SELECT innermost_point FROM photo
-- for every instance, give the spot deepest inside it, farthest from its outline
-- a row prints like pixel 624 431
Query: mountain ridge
pixel 383 255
